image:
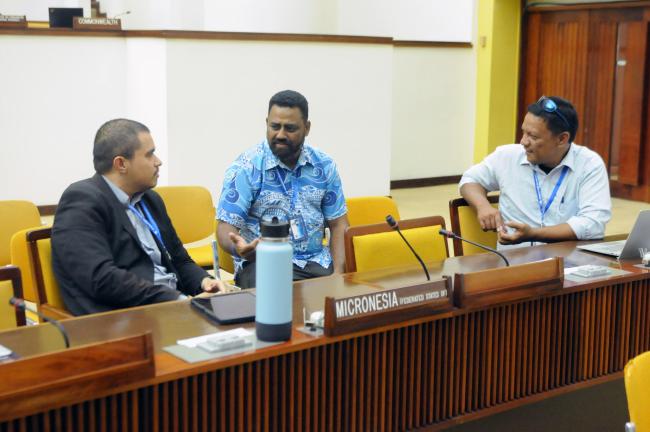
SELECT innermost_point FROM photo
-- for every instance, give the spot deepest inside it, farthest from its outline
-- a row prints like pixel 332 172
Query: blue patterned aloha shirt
pixel 312 192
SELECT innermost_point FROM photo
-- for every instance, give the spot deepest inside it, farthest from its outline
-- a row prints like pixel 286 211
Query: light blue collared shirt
pixel 582 201
pixel 160 274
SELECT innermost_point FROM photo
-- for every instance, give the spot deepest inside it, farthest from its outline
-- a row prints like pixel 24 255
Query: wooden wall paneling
pixel 403 378
pixel 644 339
pixel 416 376
pixel 598 335
pixel 597 117
pixel 518 344
pixel 387 423
pixel 377 375
pixel 476 372
pixel 464 353
pixel 555 59
pixel 529 78
pixel 439 344
pixel 563 57
pixel 629 106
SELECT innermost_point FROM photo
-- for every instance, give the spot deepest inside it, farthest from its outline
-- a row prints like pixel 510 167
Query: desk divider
pixel 506 284
pixel 42 382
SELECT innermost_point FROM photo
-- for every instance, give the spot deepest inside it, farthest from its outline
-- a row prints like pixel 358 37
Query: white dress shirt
pixel 582 200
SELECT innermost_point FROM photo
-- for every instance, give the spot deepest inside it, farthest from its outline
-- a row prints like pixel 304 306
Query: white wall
pixel 425 20
pixel 433 111
pixel 383 112
pixel 218 99
pixel 276 16
pixel 146 92
pixel 205 102
pixel 56 93
pixel 433 20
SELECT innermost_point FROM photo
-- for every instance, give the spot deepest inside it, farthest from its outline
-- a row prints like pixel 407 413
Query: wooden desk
pixel 437 371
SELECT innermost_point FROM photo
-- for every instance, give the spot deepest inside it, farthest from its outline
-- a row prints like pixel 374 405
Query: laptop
pixel 626 249
pixel 62 17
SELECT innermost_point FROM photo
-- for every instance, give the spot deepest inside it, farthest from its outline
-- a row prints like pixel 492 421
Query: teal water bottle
pixel 273 281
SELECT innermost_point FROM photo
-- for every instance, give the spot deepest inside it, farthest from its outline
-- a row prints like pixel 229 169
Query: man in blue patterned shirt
pixel 282 172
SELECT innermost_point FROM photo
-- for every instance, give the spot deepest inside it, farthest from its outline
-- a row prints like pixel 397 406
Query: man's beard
pixel 289 152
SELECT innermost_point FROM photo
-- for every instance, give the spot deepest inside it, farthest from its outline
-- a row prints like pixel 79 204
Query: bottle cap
pixel 274 228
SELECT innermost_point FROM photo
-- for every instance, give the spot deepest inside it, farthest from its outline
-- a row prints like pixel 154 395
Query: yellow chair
pixel 465 223
pixel 14 216
pixel 192 213
pixel 370 247
pixel 225 259
pixel 20 257
pixel 370 210
pixel 10 285
pixel 47 294
pixel 637 388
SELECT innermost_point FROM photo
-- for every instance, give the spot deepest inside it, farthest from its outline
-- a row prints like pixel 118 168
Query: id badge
pixel 298 228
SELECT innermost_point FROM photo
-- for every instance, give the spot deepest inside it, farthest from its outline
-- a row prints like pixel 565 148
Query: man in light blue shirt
pixel 551 189
pixel 283 172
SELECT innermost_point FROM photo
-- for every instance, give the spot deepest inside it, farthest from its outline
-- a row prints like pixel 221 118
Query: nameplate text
pixel 13 21
pixel 81 23
pixel 347 314
pixel 386 300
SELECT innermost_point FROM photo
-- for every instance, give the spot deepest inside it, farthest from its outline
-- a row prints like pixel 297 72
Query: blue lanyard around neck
pixel 148 220
pixel 284 188
pixel 543 209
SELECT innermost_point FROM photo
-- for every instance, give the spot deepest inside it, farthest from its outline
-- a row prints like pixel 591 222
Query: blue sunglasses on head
pixel 550 106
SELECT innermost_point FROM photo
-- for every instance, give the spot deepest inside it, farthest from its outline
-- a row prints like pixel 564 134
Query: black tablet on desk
pixel 231 308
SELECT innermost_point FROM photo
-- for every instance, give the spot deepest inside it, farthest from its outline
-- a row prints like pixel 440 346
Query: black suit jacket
pixel 98 259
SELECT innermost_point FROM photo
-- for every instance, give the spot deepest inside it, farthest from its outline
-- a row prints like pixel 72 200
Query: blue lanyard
pixel 293 195
pixel 540 202
pixel 148 221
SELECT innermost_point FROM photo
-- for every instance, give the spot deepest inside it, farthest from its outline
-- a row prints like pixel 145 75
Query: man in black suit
pixel 113 245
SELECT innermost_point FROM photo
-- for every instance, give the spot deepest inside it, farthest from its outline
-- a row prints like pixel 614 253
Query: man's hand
pixel 490 219
pixel 242 247
pixel 211 285
pixel 521 233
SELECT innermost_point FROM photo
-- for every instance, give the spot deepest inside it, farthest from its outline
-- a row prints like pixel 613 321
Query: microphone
pixel 121 14
pixel 393 224
pixel 19 303
pixel 450 234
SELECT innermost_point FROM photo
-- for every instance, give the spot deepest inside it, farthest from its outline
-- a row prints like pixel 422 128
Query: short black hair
pixel 290 99
pixel 118 137
pixel 555 122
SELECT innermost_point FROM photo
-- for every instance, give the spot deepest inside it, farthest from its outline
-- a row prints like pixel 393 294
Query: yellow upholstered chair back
pixel 370 210
pixel 637 388
pixel 370 247
pixel 45 291
pixel 10 285
pixel 192 213
pixel 14 216
pixel 465 223
pixel 21 258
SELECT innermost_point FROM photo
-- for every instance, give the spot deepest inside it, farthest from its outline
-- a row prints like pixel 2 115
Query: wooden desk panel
pixel 435 371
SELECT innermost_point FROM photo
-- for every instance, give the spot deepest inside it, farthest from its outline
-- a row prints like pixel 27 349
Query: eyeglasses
pixel 550 106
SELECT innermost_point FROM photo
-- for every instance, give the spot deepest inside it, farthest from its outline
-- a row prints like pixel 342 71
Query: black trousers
pixel 246 277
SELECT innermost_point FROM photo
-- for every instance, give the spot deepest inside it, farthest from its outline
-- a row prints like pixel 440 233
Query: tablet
pixel 232 308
